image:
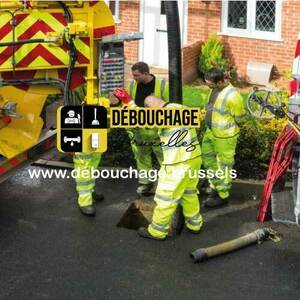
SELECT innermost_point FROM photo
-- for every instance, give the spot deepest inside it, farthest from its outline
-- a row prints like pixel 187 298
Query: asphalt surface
pixel 48 250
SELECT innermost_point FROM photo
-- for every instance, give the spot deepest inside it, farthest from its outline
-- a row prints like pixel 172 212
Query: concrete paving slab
pixel 50 251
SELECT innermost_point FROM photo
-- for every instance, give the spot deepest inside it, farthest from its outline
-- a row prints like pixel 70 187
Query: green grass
pixel 197 96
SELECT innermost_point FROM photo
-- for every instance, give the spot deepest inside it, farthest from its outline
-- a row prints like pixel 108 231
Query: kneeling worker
pixel 176 185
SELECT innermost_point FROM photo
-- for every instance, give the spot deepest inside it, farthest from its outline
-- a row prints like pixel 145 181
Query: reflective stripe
pixel 221 112
pixel 162 88
pixel 195 220
pixel 239 116
pixel 167 133
pixel 209 154
pixel 195 223
pixel 131 88
pixel 82 156
pixel 227 126
pixel 164 198
pixel 190 191
pixel 85 192
pixel 225 98
pixel 194 217
pixel 85 183
pixel 159 227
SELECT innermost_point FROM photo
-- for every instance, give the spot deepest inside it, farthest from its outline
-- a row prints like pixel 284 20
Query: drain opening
pixel 139 214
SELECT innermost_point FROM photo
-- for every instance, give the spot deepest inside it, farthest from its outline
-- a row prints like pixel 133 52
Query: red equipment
pixel 281 159
pixel 122 95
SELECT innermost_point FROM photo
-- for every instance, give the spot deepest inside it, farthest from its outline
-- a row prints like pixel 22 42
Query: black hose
pixel 73 57
pixel 174 46
pixel 21 42
pixel 36 81
pixel 68 14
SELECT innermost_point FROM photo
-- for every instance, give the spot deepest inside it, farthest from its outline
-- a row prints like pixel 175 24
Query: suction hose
pixel 257 236
pixel 174 47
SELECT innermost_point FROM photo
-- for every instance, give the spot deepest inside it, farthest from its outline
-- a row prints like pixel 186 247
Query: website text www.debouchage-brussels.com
pixel 129 173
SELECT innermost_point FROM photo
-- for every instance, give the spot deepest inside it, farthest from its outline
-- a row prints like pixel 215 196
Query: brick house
pixel 251 30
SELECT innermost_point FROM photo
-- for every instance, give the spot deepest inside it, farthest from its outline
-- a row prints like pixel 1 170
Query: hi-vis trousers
pixel 144 141
pixel 218 154
pixel 84 163
pixel 177 185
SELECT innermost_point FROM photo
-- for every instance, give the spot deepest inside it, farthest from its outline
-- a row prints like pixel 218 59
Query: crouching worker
pixel 178 180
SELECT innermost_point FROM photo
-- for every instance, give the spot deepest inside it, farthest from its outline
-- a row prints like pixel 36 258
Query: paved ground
pixel 49 251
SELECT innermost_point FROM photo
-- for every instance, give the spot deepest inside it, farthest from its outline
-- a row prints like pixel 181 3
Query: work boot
pixel 97 197
pixel 143 232
pixel 88 210
pixel 194 231
pixel 209 190
pixel 216 201
pixel 212 194
pixel 145 189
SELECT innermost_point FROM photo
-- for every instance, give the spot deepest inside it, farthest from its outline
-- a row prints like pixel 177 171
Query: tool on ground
pixel 256 237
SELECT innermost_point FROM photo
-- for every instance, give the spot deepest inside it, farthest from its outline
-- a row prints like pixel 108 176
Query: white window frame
pixel 250 31
pixel 116 14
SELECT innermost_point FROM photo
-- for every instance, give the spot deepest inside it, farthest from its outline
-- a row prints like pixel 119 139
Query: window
pixel 114 7
pixel 253 18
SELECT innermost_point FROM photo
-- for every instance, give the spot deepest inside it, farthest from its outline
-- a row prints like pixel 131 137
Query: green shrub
pixel 212 56
pixel 256 143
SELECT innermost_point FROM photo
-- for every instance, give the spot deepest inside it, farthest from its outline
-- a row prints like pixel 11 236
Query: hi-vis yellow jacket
pixel 178 144
pixel 161 89
pixel 228 108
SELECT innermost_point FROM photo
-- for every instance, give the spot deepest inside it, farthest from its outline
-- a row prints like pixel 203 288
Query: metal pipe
pixel 257 236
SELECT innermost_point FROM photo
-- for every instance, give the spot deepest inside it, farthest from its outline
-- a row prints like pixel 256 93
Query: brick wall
pixel 205 17
pixel 129 16
pixel 190 58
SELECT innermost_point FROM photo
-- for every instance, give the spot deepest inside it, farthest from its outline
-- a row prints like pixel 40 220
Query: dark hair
pixel 214 75
pixel 141 67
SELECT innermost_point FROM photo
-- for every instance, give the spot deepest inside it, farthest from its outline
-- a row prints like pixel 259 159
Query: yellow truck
pixel 48 48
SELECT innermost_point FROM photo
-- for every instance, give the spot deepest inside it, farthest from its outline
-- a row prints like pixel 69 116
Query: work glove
pixel 122 95
pixel 6 120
